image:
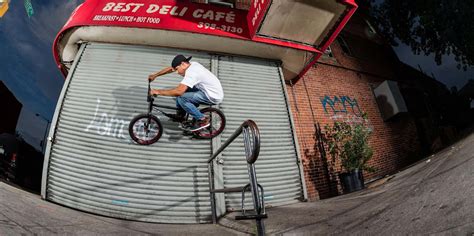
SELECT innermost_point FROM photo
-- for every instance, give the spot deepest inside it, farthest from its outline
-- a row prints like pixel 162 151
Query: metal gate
pixel 253 90
pixel 93 164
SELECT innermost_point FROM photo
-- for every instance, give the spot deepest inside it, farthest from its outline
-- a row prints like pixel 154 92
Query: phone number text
pixel 226 28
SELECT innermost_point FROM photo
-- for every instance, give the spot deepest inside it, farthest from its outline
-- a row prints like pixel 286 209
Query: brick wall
pixel 392 141
pixel 347 79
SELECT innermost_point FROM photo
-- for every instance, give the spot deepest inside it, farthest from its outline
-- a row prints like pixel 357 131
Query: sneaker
pixel 200 124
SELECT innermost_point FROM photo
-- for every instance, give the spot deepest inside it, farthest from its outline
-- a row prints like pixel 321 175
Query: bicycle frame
pixel 157 107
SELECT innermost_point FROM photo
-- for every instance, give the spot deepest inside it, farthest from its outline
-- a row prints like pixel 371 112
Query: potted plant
pixel 349 143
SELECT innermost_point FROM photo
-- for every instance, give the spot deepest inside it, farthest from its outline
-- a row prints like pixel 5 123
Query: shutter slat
pixel 253 90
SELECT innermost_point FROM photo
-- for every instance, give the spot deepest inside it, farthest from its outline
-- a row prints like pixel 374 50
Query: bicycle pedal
pixel 184 127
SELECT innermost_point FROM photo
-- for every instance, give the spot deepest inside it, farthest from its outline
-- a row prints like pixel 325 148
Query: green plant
pixel 349 143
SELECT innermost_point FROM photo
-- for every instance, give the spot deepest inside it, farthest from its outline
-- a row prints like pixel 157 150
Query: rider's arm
pixel 165 71
pixel 178 91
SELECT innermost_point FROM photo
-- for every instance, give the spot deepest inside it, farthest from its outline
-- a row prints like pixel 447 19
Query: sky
pixel 27 66
pixel 447 73
pixel 28 69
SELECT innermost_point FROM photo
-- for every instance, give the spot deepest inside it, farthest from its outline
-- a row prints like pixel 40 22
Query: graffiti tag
pixel 106 125
pixel 341 104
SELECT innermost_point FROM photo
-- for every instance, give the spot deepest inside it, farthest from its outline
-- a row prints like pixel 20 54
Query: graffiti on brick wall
pixel 340 104
pixel 344 109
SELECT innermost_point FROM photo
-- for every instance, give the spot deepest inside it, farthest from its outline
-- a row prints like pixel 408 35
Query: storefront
pixel 107 50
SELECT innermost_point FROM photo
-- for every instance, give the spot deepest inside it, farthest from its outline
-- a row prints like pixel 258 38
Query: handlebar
pixel 149 97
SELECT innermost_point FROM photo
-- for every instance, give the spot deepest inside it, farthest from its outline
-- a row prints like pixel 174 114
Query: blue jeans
pixel 190 100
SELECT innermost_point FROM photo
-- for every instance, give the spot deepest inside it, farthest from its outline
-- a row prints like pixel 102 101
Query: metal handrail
pixel 252 154
pixel 252 150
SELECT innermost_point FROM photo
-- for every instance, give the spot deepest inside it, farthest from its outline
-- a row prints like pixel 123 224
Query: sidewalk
pixel 435 196
pixel 431 197
pixel 24 213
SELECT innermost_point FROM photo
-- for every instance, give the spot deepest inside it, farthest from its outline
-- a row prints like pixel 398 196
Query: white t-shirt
pixel 198 76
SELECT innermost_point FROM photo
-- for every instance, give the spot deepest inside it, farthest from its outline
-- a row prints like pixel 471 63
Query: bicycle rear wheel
pixel 145 129
pixel 217 120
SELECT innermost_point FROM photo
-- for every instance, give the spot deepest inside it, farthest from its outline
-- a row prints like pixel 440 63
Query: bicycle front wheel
pixel 145 129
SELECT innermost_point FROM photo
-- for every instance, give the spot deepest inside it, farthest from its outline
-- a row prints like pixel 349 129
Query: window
pixel 371 29
pixel 344 46
pixel 328 52
pixel 222 3
pixel 239 4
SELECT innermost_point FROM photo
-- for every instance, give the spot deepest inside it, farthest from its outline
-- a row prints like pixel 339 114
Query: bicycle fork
pixel 150 109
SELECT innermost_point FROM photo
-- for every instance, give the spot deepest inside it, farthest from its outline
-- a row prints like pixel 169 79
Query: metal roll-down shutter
pixel 254 90
pixel 93 164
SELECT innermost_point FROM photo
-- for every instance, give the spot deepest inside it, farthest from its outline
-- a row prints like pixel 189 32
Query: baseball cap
pixel 178 59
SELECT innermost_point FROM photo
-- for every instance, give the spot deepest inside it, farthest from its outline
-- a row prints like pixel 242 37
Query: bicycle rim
pixel 217 120
pixel 145 130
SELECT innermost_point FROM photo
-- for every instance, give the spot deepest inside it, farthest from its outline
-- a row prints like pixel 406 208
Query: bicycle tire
pixel 134 129
pixel 215 128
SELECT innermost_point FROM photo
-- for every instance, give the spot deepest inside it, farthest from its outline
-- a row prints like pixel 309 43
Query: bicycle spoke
pixel 216 124
pixel 145 131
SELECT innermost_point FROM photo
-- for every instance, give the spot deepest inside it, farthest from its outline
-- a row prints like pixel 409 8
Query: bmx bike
pixel 146 128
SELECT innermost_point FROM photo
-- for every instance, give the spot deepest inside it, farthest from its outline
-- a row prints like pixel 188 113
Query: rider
pixel 199 86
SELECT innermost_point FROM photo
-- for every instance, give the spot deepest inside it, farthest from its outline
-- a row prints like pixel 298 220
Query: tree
pixel 440 27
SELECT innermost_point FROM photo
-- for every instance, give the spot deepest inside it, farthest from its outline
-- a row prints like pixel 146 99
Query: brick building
pixel 340 88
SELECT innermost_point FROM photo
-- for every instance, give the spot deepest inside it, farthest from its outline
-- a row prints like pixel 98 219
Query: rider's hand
pixel 154 92
pixel 151 77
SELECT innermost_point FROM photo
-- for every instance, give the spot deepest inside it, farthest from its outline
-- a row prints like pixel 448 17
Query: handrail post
pixel 253 176
pixel 251 136
pixel 212 195
pixel 256 198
